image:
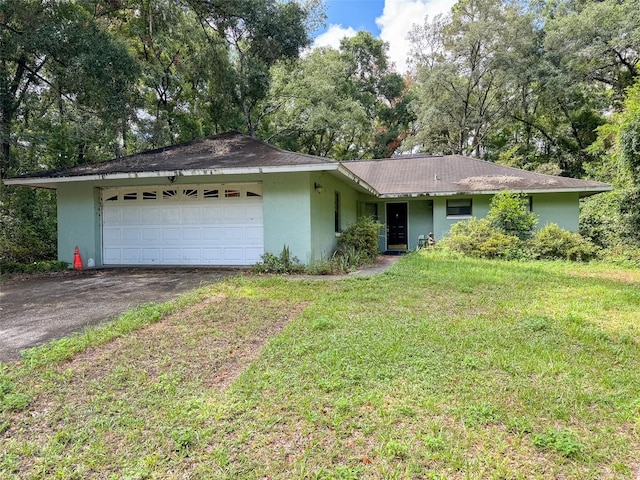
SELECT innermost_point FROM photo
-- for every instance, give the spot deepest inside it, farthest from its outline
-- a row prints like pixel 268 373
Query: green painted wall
pixel 287 214
pixel 323 235
pixel 295 214
pixel 442 224
pixel 79 222
pixel 560 208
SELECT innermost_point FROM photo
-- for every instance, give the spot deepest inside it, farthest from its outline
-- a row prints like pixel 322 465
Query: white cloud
pixel 332 37
pixel 397 19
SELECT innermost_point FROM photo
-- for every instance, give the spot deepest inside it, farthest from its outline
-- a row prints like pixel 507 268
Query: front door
pixel 397 226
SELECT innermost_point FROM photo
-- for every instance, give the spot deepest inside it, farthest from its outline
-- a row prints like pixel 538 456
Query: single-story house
pixel 227 199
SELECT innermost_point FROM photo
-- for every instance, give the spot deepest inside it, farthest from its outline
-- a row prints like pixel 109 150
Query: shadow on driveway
pixel 35 310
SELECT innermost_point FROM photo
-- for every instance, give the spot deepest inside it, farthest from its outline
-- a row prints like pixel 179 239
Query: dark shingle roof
pixel 455 174
pixel 228 150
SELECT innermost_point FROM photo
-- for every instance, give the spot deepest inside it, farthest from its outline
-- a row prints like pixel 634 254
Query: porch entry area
pixel 397 226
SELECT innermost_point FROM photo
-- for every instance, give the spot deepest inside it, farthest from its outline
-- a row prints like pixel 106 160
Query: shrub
pixel 621 254
pixel 509 213
pixel 34 267
pixel 284 263
pixel 553 243
pixel 479 238
pixel 362 238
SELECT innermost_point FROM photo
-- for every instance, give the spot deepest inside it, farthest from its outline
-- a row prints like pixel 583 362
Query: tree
pixel 346 103
pixel 509 213
pixel 461 79
pixel 57 51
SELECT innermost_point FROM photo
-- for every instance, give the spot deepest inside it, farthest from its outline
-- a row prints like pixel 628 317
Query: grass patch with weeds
pixel 439 368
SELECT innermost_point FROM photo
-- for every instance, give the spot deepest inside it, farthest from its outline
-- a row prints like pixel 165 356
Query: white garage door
pixel 186 225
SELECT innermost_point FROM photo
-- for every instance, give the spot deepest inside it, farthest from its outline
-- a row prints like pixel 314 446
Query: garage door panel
pixel 190 215
pixel 131 235
pixel 150 216
pixel 191 235
pixel 112 216
pixel 170 234
pixel 152 234
pixel 112 235
pixel 212 214
pixel 170 215
pixel 131 216
pixel 233 214
pixel 212 234
pixel 130 256
pixel 212 256
pixel 171 256
pixel 253 235
pixel 149 227
pixel 151 256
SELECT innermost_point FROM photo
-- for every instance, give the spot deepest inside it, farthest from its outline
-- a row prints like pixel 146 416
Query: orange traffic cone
pixel 77 260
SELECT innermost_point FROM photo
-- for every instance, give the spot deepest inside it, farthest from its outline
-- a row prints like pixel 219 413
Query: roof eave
pixel 364 186
pixel 52 182
pixel 583 191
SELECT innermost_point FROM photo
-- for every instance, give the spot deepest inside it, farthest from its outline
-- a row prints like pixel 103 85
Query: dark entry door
pixel 397 226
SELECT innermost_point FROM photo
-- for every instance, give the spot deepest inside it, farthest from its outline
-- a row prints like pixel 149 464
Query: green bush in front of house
pixel 479 238
pixel 509 213
pixel 553 243
pixel 360 240
pixel 507 232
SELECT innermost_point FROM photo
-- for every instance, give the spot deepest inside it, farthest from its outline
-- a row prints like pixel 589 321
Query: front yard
pixel 438 368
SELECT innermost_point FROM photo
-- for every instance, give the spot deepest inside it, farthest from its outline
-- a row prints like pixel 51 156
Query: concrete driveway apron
pixel 35 310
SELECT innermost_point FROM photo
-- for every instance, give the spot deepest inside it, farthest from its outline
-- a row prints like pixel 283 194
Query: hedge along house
pixel 227 199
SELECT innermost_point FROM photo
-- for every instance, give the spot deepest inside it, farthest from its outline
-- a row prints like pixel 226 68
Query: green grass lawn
pixel 438 368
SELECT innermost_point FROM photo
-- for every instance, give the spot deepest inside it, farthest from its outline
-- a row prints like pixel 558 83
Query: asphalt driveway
pixel 35 310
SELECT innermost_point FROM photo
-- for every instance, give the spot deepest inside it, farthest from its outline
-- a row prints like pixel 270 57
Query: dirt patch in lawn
pixel 626 276
pixel 146 378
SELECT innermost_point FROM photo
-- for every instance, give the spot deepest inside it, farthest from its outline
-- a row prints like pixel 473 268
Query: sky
pixel 389 20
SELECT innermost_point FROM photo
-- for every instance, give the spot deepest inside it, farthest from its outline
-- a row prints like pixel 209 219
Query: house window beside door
pixel 459 207
pixel 337 213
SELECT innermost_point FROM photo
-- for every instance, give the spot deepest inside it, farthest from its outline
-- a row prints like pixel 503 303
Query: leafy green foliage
pixel 35 267
pixel 563 442
pixel 344 104
pixel 553 243
pixel 284 263
pixel 479 238
pixel 509 213
pixel 362 237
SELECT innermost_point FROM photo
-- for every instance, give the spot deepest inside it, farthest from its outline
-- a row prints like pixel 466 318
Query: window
pixel 252 194
pixel 530 204
pixel 150 195
pixel 112 199
pixel 459 207
pixel 190 193
pixel 370 210
pixel 337 212
pixel 169 193
pixel 231 193
pixel 130 196
pixel 207 193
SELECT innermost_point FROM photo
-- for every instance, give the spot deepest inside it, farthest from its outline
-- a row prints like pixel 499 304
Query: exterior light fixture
pixel 319 188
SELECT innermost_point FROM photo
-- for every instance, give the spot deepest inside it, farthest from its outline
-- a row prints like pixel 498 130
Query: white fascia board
pixel 344 171
pixel 50 182
pixel 587 191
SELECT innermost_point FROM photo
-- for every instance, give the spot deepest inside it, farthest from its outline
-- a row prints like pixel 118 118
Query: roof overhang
pixel 583 192
pixel 52 182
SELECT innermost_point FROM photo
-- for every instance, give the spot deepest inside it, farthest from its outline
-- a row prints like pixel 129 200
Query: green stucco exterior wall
pixel 79 222
pixel 296 214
